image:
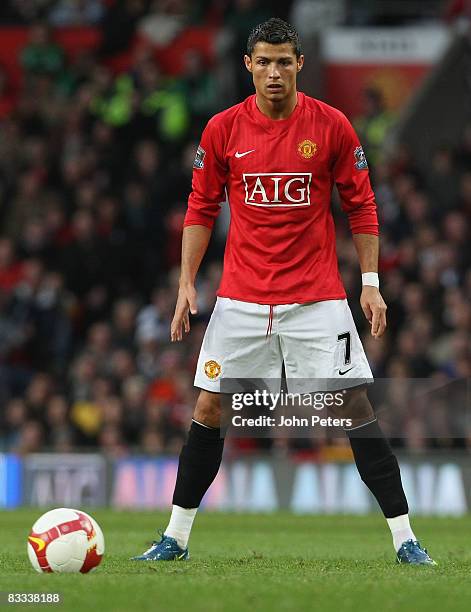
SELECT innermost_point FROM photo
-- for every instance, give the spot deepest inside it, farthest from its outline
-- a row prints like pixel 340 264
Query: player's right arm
pixel 194 244
pixel 204 205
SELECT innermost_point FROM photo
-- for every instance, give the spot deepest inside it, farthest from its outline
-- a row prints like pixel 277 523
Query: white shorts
pixel 318 343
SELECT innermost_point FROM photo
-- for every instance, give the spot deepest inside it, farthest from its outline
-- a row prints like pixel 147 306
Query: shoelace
pixel 156 542
pixel 410 545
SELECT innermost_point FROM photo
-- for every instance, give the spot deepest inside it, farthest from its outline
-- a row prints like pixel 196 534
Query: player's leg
pixel 379 470
pixel 321 346
pixel 198 466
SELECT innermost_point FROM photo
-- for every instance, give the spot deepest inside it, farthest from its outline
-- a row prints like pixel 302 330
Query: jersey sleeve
pixel 209 178
pixel 353 182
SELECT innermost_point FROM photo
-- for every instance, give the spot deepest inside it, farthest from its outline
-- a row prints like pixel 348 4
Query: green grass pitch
pixel 253 562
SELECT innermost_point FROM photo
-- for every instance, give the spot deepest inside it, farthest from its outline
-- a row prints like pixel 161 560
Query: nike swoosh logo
pixel 345 371
pixel 244 153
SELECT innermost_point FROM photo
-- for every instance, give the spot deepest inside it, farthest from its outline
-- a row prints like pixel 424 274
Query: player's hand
pixel 374 308
pixel 186 302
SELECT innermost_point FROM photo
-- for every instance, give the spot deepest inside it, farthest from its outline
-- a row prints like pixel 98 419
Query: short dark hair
pixel 275 31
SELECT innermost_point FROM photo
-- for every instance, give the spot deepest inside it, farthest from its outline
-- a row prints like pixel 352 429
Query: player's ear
pixel 300 62
pixel 248 62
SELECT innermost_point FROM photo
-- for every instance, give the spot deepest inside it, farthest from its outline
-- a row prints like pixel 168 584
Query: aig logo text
pixel 283 189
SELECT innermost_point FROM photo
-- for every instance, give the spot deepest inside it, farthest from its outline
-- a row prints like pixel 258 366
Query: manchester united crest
pixel 212 369
pixel 307 149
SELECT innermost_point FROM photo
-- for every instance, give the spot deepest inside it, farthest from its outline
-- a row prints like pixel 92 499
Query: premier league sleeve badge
pixel 361 163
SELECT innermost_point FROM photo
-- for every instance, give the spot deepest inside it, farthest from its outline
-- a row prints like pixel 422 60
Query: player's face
pixel 274 69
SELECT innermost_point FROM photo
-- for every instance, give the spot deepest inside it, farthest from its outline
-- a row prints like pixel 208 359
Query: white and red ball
pixel 65 541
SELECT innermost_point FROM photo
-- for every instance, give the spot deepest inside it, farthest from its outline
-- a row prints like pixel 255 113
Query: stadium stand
pixel 96 151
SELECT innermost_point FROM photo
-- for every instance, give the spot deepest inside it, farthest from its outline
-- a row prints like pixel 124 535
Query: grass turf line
pixel 257 562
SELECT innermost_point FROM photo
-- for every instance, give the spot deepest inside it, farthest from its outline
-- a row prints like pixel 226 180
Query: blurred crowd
pixel 351 12
pixel 95 170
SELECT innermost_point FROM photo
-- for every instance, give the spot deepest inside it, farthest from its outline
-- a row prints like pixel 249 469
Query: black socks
pixel 378 468
pixel 199 463
pixel 201 456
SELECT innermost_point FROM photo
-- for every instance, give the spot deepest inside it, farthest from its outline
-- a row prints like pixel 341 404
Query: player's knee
pixel 208 409
pixel 356 406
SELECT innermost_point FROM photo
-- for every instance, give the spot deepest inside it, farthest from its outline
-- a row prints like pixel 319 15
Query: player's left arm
pixel 371 300
pixel 352 179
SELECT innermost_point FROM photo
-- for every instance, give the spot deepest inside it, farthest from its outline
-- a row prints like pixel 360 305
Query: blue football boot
pixel 411 552
pixel 166 549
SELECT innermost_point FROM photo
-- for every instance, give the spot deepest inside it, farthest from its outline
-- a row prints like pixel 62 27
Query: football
pixel 65 541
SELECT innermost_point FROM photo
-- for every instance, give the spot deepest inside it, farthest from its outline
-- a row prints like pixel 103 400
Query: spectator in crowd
pixel 372 127
pixel 42 56
pixel 119 24
pixel 61 436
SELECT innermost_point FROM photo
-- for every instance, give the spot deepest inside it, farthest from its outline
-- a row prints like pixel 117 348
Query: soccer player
pixel 281 299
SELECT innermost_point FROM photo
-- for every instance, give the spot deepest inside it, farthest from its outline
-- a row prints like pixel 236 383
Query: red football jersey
pixel 278 175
